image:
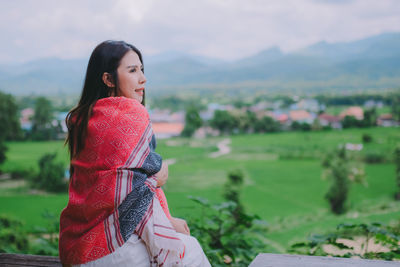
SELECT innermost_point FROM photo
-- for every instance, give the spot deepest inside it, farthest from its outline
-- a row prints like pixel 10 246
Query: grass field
pixel 283 181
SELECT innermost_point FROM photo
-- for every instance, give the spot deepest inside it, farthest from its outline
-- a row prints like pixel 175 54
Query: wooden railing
pixel 283 260
pixel 262 260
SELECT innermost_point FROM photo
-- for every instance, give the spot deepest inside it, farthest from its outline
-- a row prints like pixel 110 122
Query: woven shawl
pixel 112 192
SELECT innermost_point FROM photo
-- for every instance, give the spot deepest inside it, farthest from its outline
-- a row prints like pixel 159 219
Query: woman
pixel 117 214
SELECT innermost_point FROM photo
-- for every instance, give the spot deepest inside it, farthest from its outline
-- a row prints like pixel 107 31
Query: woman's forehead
pixel 130 58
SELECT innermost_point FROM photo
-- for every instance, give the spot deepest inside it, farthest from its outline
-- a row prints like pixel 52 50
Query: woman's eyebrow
pixel 133 66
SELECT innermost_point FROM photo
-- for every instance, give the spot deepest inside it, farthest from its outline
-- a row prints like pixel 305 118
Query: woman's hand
pixel 180 225
pixel 162 175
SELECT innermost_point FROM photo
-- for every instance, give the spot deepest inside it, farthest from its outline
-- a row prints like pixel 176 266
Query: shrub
pixel 193 121
pixel 228 235
pixel 22 174
pixel 51 174
pixel 46 242
pixel 384 235
pixel 12 238
pixel 366 138
pixel 3 150
pixel 397 163
pixel 374 157
pixel 341 169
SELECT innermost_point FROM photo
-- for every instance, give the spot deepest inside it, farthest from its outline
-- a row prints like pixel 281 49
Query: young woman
pixel 117 214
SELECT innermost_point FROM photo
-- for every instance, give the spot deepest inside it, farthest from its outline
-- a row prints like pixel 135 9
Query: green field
pixel 283 183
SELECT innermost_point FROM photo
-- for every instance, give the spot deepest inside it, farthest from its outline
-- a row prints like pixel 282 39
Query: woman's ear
pixel 108 80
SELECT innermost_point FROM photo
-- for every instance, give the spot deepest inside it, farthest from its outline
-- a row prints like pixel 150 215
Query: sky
pixel 223 29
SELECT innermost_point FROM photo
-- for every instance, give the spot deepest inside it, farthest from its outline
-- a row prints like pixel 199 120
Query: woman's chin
pixel 138 98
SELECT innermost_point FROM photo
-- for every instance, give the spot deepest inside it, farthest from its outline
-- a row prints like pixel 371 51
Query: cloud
pixel 227 29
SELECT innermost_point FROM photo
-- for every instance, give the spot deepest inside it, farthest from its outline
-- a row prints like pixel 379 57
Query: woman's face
pixel 131 79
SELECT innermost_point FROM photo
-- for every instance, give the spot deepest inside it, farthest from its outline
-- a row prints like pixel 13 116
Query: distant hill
pixel 370 63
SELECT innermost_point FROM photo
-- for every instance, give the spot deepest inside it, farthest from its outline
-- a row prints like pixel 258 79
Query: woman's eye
pixel 133 70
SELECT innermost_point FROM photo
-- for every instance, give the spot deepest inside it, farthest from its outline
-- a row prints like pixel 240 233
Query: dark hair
pixel 106 57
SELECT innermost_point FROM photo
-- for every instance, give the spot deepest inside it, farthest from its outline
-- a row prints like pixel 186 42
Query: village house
pixel 330 120
pixel 301 116
pixel 26 119
pixel 386 120
pixel 311 105
pixel 373 104
pixel 356 112
pixel 166 124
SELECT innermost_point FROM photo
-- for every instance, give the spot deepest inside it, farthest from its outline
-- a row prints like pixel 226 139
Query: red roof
pixel 329 118
pixel 386 117
pixel 356 112
pixel 298 115
pixel 168 127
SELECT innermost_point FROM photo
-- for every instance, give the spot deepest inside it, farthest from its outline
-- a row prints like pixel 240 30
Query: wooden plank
pixel 13 260
pixel 284 260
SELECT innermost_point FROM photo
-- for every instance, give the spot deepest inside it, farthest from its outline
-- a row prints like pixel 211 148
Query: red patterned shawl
pixel 112 190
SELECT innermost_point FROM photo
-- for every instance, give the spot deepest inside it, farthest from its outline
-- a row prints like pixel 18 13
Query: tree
pixel 246 121
pixel 42 129
pixel 232 193
pixel 224 121
pixel 9 124
pixel 350 122
pixel 228 235
pixel 396 107
pixel 51 175
pixel 297 126
pixel 341 169
pixel 13 239
pixel 266 124
pixel 193 121
pixel 370 117
pixel 10 128
pixel 397 162
pixel 3 150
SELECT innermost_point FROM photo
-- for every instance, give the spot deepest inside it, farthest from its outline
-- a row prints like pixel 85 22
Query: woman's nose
pixel 143 79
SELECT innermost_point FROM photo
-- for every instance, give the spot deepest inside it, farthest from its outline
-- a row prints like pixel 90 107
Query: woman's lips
pixel 139 91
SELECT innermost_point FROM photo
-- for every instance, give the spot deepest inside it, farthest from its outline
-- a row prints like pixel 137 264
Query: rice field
pixel 283 183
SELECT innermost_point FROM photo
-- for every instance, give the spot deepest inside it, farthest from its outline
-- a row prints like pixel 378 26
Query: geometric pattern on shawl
pixel 113 183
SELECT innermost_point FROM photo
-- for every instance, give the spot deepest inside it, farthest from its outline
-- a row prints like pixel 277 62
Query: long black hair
pixel 105 58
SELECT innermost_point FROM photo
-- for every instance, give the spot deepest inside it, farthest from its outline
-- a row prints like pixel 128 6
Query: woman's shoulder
pixel 119 104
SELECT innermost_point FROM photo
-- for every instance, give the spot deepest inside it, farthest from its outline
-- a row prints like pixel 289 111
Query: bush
pixel 22 174
pixel 297 126
pixel 366 138
pixel 46 242
pixel 266 124
pixel 397 163
pixel 384 235
pixel 374 157
pixel 228 234
pixel 193 121
pixel 341 169
pixel 351 122
pixel 51 175
pixel 3 150
pixel 224 122
pixel 12 238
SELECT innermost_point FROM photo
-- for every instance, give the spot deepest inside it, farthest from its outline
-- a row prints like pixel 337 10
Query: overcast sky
pixel 225 29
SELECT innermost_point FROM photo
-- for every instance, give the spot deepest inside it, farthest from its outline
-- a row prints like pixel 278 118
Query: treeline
pixel 231 122
pixel 44 125
pixel 356 100
pixel 228 123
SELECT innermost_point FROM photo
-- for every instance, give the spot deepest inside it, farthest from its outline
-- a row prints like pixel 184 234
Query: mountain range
pixel 370 63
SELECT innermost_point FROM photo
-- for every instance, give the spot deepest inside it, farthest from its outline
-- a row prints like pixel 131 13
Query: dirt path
pixel 223 148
